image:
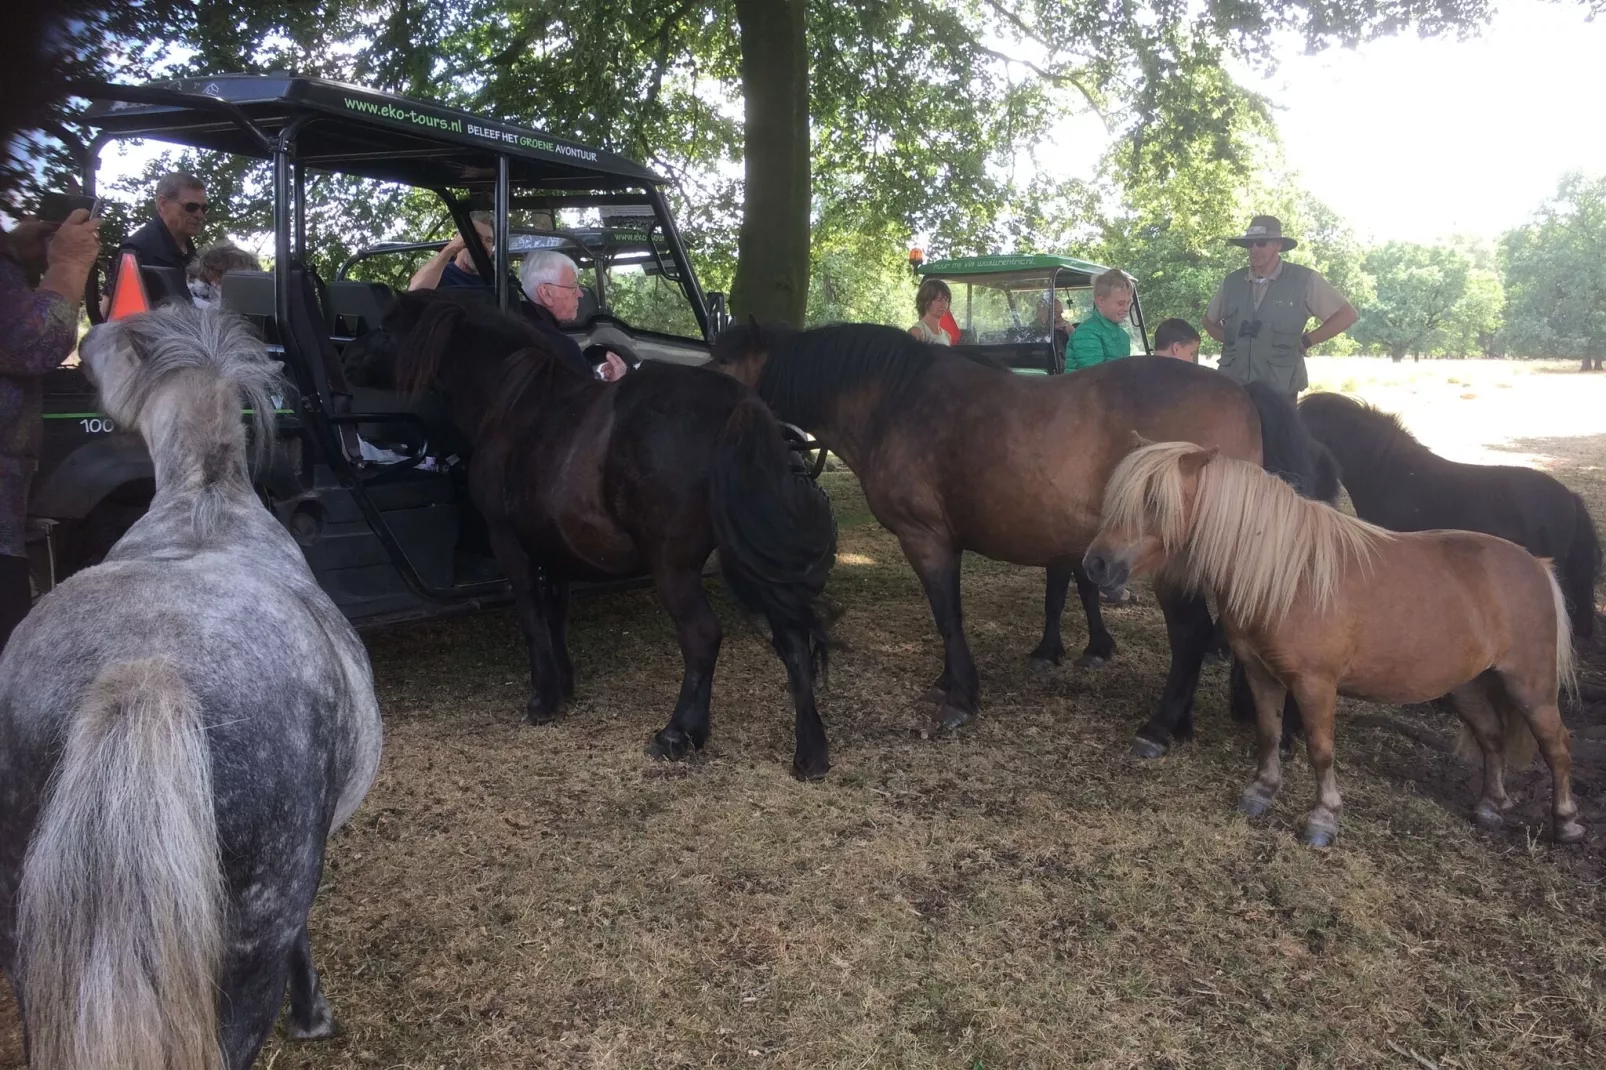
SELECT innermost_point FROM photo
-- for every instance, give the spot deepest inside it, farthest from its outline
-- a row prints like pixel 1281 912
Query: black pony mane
pixel 806 369
pixel 1360 416
pixel 433 323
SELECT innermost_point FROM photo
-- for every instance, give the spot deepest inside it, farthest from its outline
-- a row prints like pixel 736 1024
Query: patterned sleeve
pixel 38 329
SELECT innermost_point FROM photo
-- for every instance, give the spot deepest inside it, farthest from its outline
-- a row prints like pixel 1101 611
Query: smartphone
pixel 56 207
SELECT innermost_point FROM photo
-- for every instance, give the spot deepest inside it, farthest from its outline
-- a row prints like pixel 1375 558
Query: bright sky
pixel 1418 139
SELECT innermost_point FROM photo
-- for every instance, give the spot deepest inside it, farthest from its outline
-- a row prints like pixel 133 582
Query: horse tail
pixel 120 919
pixel 774 528
pixel 1580 568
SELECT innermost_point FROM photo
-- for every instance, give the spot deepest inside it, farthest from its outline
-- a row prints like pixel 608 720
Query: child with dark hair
pixel 1177 338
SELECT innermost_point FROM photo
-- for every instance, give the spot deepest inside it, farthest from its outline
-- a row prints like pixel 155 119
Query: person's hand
pixel 613 367
pixel 453 247
pixel 76 242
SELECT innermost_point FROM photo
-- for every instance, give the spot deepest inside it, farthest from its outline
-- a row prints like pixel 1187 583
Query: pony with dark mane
pixel 1396 482
pixel 954 454
pixel 584 480
pixel 1318 604
pixel 181 729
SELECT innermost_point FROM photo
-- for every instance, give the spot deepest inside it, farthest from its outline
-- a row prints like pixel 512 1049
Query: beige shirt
pixel 929 336
pixel 1321 300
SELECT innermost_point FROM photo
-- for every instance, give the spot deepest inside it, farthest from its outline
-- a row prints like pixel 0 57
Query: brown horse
pixel 954 454
pixel 1319 604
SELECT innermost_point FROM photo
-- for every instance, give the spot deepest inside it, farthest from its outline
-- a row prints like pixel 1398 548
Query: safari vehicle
pixel 1016 309
pixel 367 482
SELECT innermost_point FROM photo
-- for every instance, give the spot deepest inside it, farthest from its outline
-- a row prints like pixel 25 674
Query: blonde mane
pixel 1253 540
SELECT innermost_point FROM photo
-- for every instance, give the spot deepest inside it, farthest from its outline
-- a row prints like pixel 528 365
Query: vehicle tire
pixel 813 454
pixel 82 543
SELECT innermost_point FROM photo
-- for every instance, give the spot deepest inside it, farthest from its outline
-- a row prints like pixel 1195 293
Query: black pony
pixel 1396 482
pixel 584 480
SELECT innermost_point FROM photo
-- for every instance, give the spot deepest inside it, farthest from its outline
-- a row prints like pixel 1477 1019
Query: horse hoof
pixel 1569 832
pixel 322 1027
pixel 936 696
pixel 1253 804
pixel 538 713
pixel 1091 661
pixel 1488 817
pixel 1318 835
pixel 1143 747
pixel 671 745
pixel 809 771
pixel 951 717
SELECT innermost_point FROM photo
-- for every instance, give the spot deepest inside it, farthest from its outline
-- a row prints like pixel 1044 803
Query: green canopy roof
pixel 1015 272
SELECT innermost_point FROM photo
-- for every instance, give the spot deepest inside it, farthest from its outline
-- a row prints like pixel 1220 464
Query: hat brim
pixel 1288 243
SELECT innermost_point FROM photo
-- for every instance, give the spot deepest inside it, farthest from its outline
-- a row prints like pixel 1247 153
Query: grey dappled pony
pixel 181 728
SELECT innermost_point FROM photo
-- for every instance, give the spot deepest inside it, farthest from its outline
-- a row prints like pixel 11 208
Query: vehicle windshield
pixel 1009 315
pixel 639 283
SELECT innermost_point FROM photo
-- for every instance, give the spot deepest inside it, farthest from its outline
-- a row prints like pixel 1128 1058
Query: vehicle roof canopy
pixel 363 132
pixel 1015 272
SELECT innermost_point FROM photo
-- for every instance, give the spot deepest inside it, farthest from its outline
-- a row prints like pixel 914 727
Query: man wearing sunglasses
pixel 1259 313
pixel 169 239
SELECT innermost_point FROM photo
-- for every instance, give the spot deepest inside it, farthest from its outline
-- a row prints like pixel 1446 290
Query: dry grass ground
pixel 1019 895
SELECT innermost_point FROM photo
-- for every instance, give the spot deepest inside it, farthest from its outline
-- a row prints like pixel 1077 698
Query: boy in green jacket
pixel 1101 337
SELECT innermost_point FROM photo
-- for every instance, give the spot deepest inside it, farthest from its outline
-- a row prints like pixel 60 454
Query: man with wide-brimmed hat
pixel 1259 312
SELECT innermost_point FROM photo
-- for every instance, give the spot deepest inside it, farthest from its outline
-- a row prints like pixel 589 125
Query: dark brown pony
pixel 1396 482
pixel 1318 604
pixel 955 454
pixel 583 480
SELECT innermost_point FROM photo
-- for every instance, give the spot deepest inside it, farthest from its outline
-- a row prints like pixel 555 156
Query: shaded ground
pixel 1019 895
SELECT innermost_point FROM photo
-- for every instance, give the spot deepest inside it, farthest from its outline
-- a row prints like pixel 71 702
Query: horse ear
pixel 1138 441
pixel 1192 462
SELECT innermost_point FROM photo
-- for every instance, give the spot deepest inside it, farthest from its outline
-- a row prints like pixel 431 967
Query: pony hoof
pixel 1489 817
pixel 1317 835
pixel 1143 747
pixel 810 771
pixel 671 745
pixel 1253 804
pixel 537 712
pixel 1569 832
pixel 936 696
pixel 326 1029
pixel 951 717
pixel 1092 661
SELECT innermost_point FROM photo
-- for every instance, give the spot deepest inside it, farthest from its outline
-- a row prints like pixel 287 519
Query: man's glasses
pixel 1261 243
pixel 193 207
pixel 563 285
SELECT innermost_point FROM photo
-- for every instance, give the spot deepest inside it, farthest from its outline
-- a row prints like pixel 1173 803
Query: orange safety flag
pixel 128 292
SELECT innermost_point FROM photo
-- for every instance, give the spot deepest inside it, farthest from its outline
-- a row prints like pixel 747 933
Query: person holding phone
pixel 38 330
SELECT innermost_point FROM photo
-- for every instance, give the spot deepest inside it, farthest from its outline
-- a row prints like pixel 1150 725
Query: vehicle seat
pixel 164 284
pixel 250 294
pixel 358 307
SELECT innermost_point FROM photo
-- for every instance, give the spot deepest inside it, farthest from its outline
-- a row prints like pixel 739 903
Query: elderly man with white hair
pixel 552 283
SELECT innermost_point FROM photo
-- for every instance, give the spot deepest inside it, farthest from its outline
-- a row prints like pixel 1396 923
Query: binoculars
pixel 1246 329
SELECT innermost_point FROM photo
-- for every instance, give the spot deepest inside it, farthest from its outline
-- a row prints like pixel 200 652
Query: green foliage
pixel 1555 276
pixel 1418 288
pixel 861 277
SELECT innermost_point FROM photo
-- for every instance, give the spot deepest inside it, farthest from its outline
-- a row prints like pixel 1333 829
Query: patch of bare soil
pixel 1018 894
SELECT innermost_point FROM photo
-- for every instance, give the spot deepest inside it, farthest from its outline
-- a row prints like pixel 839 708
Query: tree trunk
pixel 772 268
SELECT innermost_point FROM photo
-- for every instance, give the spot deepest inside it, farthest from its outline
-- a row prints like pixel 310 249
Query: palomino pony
pixel 181 728
pixel 955 453
pixel 1320 604
pixel 1396 482
pixel 579 479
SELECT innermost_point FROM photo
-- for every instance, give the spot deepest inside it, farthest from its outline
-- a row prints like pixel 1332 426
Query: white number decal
pixel 97 426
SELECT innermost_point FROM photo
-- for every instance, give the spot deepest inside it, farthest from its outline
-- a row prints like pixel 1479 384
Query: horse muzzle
pixel 1109 574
